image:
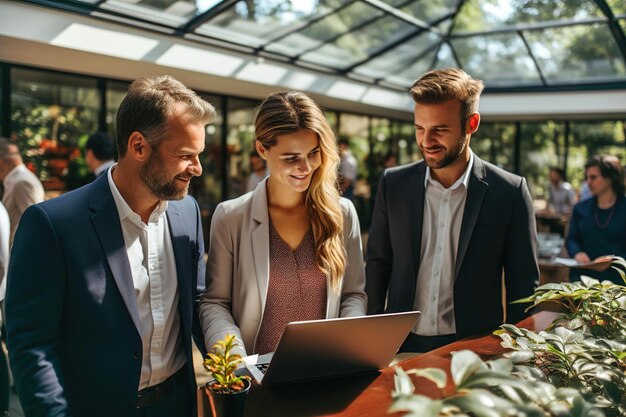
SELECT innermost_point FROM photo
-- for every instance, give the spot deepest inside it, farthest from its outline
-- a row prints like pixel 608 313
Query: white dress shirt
pixel 153 268
pixel 441 227
pixel 22 189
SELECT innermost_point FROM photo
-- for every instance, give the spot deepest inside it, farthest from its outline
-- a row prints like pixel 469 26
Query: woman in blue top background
pixel 598 225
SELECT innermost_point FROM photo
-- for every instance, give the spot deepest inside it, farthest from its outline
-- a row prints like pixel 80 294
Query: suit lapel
pixel 415 194
pixel 106 222
pixel 475 195
pixel 260 240
pixel 182 254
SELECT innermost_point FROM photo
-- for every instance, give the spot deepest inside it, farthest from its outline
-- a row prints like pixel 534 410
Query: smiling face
pixel 292 161
pixel 439 135
pixel 175 161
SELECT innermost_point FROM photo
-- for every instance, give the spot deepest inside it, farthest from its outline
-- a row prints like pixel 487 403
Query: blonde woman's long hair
pixel 293 111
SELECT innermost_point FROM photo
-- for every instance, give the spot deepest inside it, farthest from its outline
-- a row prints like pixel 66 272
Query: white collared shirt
pixel 153 268
pixel 441 227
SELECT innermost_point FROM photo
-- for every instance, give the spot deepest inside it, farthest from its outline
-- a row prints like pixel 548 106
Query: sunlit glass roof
pixel 510 44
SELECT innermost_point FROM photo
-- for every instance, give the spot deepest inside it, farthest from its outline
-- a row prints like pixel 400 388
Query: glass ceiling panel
pixel 484 15
pixel 426 10
pixel 498 60
pixel 618 6
pixel 410 74
pixel 253 23
pixel 169 12
pixel 358 45
pixel 399 58
pixel 577 53
pixel 445 58
pixel 325 29
pixel 623 24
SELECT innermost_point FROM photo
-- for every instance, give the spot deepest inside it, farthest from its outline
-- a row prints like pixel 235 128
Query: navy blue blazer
pixel 498 234
pixel 72 319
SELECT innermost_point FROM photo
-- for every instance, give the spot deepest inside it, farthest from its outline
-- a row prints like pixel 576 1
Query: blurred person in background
pixel 5 230
pixel 561 194
pixel 347 169
pixel 598 224
pixel 258 171
pixel 99 153
pixel 22 188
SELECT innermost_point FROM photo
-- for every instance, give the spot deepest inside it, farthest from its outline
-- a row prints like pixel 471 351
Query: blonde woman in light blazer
pixel 291 249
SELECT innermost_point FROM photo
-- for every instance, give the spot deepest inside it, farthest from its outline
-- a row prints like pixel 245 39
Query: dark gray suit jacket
pixel 72 319
pixel 498 233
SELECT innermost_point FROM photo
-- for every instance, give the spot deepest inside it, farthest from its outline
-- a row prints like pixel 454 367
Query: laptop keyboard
pixel 262 367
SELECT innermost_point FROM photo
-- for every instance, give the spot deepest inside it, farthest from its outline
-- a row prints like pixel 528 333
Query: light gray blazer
pixel 238 270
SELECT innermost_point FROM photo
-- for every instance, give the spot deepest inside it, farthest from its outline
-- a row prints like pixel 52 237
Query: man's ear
pixel 472 123
pixel 138 147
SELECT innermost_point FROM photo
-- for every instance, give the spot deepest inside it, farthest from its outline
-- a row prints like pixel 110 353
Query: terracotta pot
pixel 225 405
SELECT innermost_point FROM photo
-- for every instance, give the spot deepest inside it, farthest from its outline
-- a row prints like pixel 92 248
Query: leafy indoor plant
pixel 577 367
pixel 227 391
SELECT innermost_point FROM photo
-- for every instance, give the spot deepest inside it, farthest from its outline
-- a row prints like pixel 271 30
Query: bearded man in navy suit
pixel 104 280
pixel 449 231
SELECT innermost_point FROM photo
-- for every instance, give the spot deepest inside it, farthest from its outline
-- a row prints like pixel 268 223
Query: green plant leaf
pixel 403 384
pixel 436 375
pixel 464 363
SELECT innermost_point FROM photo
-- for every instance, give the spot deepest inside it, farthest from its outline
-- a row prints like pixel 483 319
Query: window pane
pixel 501 59
pixel 51 117
pixel 427 11
pixel 542 146
pixel 407 147
pixel 399 58
pixel 207 188
pixel 239 144
pixel 577 53
pixel 355 128
pixel 116 91
pixel 168 12
pixel 325 29
pixel 495 142
pixel 481 15
pixel 359 44
pixel 255 23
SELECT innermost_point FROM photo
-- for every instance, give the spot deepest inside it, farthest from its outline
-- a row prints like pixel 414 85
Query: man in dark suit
pixel 99 153
pixel 445 229
pixel 104 280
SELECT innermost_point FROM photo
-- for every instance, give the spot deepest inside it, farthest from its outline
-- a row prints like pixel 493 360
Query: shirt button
pixel 434 298
pixel 436 273
pixel 432 323
pixel 440 224
pixel 135 355
pixel 439 248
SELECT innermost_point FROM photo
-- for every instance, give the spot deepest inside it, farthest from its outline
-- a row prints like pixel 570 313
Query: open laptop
pixel 333 347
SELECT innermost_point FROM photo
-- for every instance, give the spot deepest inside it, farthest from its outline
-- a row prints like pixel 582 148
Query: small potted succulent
pixel 227 391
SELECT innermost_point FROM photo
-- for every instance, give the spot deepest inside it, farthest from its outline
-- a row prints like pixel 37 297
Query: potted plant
pixel 227 391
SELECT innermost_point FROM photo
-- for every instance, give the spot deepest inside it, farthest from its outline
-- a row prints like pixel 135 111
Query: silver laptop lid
pixel 333 347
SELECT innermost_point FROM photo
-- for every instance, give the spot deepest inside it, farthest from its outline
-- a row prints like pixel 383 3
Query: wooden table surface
pixel 370 395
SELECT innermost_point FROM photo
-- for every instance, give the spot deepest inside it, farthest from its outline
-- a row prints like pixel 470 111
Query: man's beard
pixel 449 156
pixel 157 181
